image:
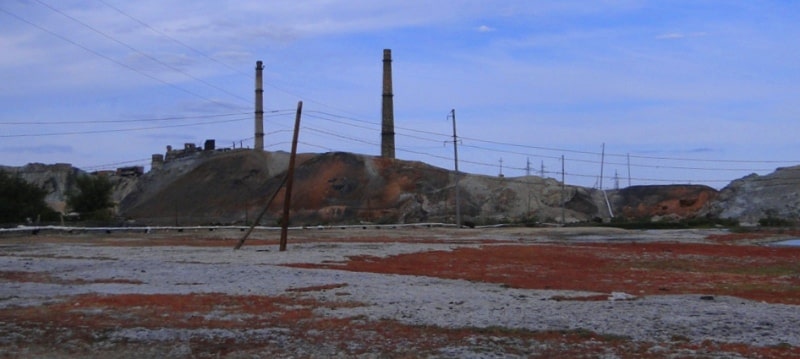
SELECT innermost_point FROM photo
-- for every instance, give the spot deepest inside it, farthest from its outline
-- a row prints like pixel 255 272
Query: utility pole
pixel 563 196
pixel 542 171
pixel 602 162
pixel 455 156
pixel 528 167
pixel 629 170
pixel 527 174
pixel 605 195
pixel 286 181
pixel 501 168
pixel 260 215
pixel 290 179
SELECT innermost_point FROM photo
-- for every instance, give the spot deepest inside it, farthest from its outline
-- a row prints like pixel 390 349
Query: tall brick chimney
pixel 259 133
pixel 387 108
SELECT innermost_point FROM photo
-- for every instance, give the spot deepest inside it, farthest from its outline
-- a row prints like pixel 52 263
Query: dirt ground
pixel 189 294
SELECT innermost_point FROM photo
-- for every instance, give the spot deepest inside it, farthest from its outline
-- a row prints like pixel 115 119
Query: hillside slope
pixel 338 187
pixel 752 198
pixel 217 187
pixel 666 202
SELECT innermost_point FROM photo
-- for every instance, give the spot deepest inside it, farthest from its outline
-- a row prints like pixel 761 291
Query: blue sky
pixel 673 91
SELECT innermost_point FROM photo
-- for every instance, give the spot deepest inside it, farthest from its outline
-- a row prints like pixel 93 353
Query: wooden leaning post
pixel 288 180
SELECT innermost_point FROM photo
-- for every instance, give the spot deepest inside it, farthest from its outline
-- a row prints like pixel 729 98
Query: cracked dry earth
pixel 402 293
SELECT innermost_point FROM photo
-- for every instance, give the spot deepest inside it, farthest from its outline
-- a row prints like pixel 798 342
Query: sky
pixel 625 92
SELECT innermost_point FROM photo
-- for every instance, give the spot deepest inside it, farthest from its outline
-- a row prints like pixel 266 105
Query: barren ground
pixel 400 293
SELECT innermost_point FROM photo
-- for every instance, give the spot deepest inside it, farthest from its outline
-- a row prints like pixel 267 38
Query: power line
pixel 158 119
pixel 121 130
pixel 698 159
pixel 317 130
pixel 63 38
pixel 115 164
pixel 696 168
pixel 350 121
pixel 533 147
pixel 343 119
pixel 173 68
pixel 234 69
pixel 174 39
pixel 491 165
pixel 376 125
pixel 312 115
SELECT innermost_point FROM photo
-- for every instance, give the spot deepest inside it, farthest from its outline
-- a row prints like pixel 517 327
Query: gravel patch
pixel 417 300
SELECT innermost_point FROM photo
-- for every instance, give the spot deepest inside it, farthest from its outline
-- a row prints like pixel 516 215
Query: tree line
pixel 23 202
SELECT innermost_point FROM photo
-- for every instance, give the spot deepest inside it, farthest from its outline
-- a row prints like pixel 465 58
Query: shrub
pixel 20 200
pixel 92 199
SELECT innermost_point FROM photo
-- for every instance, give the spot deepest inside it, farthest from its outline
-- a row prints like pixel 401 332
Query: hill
pixel 337 187
pixel 233 187
pixel 752 199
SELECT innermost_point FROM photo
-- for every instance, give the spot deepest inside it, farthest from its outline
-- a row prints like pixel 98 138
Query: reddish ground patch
pixel 38 277
pixel 76 326
pixel 83 326
pixel 752 272
pixel 31 277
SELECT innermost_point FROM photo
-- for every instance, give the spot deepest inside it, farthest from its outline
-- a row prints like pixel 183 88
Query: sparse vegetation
pixel 773 220
pixel 92 199
pixel 21 201
pixel 696 222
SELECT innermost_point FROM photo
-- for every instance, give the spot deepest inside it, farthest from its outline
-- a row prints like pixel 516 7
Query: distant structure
pixel 259 145
pixel 189 149
pixel 157 162
pixel 209 145
pixel 387 108
pixel 130 171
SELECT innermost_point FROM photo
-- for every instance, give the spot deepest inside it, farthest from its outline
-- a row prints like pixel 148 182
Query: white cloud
pixel 679 35
pixel 485 28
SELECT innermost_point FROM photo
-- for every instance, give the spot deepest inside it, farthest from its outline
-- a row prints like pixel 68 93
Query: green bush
pixel 773 219
pixel 21 201
pixel 92 199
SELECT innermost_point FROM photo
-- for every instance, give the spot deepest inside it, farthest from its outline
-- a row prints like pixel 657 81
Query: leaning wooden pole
pixel 261 215
pixel 290 179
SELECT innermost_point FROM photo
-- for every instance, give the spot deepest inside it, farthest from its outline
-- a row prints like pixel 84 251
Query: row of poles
pixel 452 116
pixel 288 181
pixel 387 143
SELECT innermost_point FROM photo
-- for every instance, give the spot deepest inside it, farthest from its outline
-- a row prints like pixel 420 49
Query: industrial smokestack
pixel 259 145
pixel 387 108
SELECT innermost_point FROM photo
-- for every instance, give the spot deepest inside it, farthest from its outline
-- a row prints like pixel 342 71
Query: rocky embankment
pixel 775 196
pixel 56 179
pixel 59 180
pixel 661 203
